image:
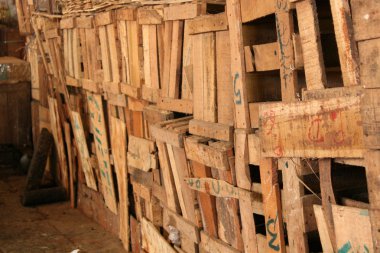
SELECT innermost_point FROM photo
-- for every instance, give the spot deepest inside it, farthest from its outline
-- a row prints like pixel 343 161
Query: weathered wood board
pixel 315 129
pixel 119 148
pixel 81 144
pixel 152 240
pixel 352 229
pixel 141 153
pixel 95 105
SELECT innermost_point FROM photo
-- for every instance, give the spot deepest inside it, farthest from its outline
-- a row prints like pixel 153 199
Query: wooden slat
pixel 311 44
pixel 206 202
pixel 119 147
pixel 369 62
pixel 102 151
pixel 152 241
pixel 344 33
pixel 365 17
pixel 211 245
pixel 266 57
pixel 208 23
pixel 150 16
pixel 207 155
pixel 254 9
pixel 81 144
pixel 211 130
pixel 181 11
pixel 141 154
pixel 352 229
pixel 204 77
pixel 272 206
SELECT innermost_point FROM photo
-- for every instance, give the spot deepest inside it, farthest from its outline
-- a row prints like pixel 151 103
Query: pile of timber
pixel 249 126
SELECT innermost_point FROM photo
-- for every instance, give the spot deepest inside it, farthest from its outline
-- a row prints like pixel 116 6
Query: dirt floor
pixel 47 228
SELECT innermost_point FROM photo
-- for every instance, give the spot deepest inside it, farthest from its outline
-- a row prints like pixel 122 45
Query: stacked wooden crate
pixel 210 127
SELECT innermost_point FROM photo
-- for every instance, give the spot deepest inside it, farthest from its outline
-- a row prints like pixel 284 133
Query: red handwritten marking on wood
pixel 269 121
pixel 314 130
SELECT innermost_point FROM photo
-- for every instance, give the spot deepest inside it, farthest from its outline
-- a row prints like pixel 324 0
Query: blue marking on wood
pixel 237 92
pixel 345 248
pixel 273 234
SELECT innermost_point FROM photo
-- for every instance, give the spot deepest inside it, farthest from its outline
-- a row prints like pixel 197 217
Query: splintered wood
pixel 215 126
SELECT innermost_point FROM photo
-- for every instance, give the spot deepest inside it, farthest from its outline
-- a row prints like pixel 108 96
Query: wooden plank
pixel 369 63
pixel 141 154
pixel 295 218
pixel 84 22
pixel 254 149
pixel 211 245
pixel 208 23
pixel 113 53
pixel 125 68
pixel 81 144
pixel 204 77
pixel 176 105
pixel 322 229
pixel 181 11
pixel 167 176
pixel 254 9
pixel 126 14
pixel 149 16
pixel 106 64
pixel 238 67
pixel 95 105
pixel 332 93
pixel 211 130
pixel 266 57
pixel 152 241
pixel 272 206
pixel 207 155
pixel 371 158
pixel 219 188
pixel 187 63
pixel 170 137
pixel 328 197
pixel 344 34
pixel 223 81
pixel 370 109
pixel 285 30
pixel 180 171
pixel 67 23
pixel 119 147
pixel 352 229
pixel 311 44
pixel 56 130
pixel 312 128
pixel 70 161
pixel 175 59
pixel 365 17
pixel 104 18
pixel 206 202
pixel 173 219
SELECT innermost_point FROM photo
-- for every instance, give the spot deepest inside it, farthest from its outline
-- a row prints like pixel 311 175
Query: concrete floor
pixel 46 228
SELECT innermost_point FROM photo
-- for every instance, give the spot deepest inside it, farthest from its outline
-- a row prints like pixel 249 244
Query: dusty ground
pixel 47 228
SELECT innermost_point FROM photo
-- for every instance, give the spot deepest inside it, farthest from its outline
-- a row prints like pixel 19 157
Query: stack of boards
pixel 237 126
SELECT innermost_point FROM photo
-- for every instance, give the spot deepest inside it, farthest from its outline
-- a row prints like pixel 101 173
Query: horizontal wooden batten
pixel 104 18
pixel 128 14
pixel 313 129
pixel 176 105
pixel 67 23
pixel 182 11
pixel 208 155
pixel 211 130
pixel 71 81
pixel 130 91
pixel 150 16
pixel 208 23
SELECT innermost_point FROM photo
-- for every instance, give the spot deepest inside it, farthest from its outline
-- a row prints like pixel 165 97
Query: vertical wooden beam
pixel 371 159
pixel 344 33
pixel 292 193
pixel 328 197
pixel 272 206
pixel 311 44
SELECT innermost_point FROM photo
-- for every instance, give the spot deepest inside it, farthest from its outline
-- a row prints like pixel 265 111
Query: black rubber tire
pixel 38 162
pixel 44 196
